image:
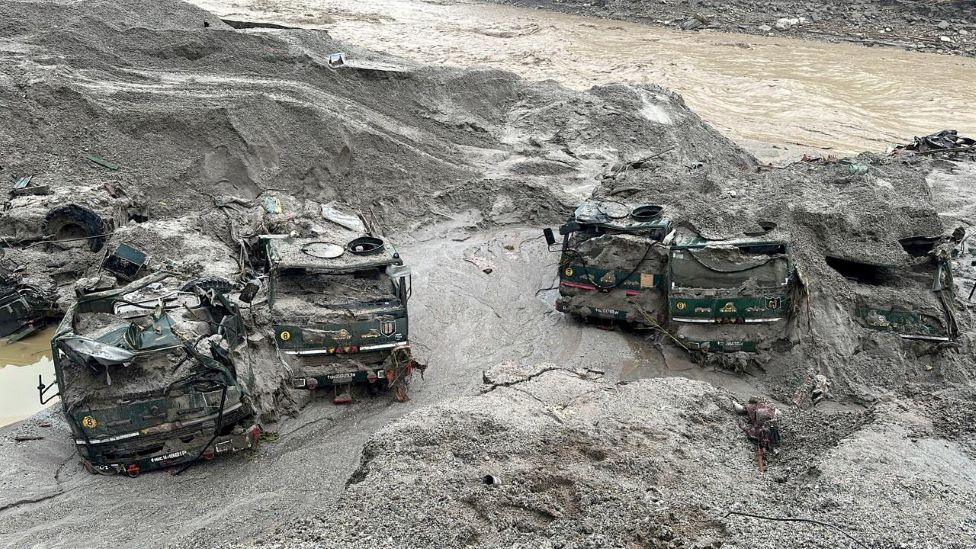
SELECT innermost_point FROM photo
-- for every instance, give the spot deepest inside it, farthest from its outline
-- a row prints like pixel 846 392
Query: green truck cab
pixel 914 298
pixel 146 379
pixel 339 312
pixel 613 263
pixel 729 296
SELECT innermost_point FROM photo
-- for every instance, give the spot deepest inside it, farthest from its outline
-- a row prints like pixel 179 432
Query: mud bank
pixel 196 125
pixel 555 458
pixel 943 27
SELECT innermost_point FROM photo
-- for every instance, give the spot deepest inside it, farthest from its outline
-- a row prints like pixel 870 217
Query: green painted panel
pixel 902 322
pixel 604 278
pixel 728 309
pixel 346 337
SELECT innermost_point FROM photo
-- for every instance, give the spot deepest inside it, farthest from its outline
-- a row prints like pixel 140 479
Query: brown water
pixel 777 97
pixel 20 364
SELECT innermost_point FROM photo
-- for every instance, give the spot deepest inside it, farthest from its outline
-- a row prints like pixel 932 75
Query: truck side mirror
pixel 550 238
pixel 42 390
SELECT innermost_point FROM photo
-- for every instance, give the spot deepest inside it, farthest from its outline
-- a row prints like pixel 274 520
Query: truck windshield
pixel 727 267
pixel 329 290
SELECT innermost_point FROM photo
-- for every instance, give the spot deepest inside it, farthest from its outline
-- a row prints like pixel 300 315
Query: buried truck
pixel 912 298
pixel 146 378
pixel 24 308
pixel 613 263
pixel 626 264
pixel 339 312
pixel 730 296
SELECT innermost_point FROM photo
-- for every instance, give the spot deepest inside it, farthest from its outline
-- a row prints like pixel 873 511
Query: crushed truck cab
pixel 146 379
pixel 339 311
pixel 729 296
pixel 613 263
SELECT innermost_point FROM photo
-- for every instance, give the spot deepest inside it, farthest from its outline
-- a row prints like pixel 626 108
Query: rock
pixel 945 39
pixel 943 25
pixel 765 28
pixel 692 24
pixel 786 23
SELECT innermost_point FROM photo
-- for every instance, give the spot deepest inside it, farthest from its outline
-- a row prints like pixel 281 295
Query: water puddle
pixel 778 97
pixel 20 364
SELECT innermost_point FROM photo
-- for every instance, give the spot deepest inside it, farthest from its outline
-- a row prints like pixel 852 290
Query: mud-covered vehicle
pixel 24 308
pixel 613 263
pixel 146 378
pixel 912 298
pixel 627 264
pixel 339 312
pixel 50 233
pixel 730 296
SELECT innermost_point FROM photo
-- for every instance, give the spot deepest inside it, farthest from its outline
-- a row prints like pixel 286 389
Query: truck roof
pixel 697 242
pixel 622 217
pixel 316 254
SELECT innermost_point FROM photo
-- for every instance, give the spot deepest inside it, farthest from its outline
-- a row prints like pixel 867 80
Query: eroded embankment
pixel 556 458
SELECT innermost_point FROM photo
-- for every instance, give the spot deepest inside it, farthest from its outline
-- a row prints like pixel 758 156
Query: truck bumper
pixel 395 372
pixel 151 455
pixel 627 315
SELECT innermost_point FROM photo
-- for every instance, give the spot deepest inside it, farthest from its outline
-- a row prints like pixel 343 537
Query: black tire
pixel 220 284
pixel 74 224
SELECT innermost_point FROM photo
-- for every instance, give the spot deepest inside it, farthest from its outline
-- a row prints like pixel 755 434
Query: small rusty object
pixel 26 438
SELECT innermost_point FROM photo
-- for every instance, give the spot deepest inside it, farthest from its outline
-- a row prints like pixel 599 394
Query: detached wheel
pixel 76 226
pixel 219 284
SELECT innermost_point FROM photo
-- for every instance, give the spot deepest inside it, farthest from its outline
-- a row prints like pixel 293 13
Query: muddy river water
pixel 20 364
pixel 777 97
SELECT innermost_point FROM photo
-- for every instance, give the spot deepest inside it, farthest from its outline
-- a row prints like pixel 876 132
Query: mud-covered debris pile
pixel 190 114
pixel 868 235
pixel 559 459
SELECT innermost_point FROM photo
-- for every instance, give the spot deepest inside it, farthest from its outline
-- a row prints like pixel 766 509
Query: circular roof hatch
pixel 323 250
pixel 646 212
pixel 614 210
pixel 365 245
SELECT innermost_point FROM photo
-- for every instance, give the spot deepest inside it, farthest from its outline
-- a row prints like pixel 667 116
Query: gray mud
pixel 207 121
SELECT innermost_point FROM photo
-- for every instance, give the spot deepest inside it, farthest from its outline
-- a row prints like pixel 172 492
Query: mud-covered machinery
pixel 49 222
pixel 146 377
pixel 24 309
pixel 339 311
pixel 613 263
pixel 627 263
pixel 731 295
pixel 912 298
